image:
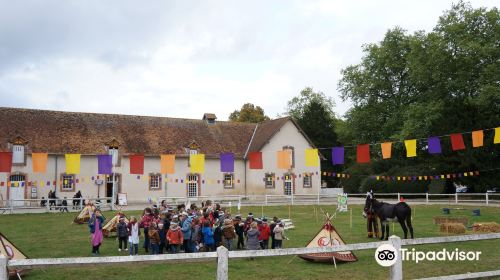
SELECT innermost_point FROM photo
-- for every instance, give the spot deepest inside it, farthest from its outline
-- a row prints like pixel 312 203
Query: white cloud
pixel 182 59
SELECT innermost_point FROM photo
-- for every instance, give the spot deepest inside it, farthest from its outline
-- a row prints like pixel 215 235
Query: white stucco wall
pixel 288 135
pixel 138 189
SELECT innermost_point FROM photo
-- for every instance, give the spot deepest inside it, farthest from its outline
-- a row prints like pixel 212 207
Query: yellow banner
pixel 312 158
pixel 197 162
pixel 411 148
pixel 72 163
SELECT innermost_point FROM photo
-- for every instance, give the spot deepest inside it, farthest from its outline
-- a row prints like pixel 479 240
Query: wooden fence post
pixel 222 263
pixel 396 271
pixel 426 198
pixel 487 199
pixel 4 272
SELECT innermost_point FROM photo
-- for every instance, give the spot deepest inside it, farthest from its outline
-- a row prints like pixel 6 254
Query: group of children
pixel 169 230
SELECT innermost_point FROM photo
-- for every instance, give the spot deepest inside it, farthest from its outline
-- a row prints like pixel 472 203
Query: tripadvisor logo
pixel 387 255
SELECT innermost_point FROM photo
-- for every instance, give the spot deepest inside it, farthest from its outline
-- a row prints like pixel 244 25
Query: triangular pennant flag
pixel 39 162
pixel 411 148
pixel 386 150
pixel 255 160
pixel 72 163
pixel 477 138
pixel 434 145
pixel 457 142
pixel 197 163
pixel 167 163
pixel 363 153
pixel 312 158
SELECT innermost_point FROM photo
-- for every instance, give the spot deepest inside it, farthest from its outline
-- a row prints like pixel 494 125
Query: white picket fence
pixel 488 199
pixel 223 255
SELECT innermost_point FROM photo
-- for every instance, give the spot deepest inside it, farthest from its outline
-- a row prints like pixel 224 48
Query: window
pixel 192 185
pixel 154 182
pixel 18 154
pixel 307 181
pixel 269 180
pixel 68 183
pixel 292 154
pixel 228 180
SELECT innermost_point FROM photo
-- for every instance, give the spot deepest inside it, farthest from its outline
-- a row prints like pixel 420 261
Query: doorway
pixel 17 189
pixel 109 186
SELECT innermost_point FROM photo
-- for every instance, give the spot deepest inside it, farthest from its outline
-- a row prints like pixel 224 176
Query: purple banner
pixel 105 164
pixel 227 162
pixel 338 155
pixel 434 145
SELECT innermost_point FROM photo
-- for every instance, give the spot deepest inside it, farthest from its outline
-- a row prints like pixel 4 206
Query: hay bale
pixel 457 228
pixel 486 227
pixel 443 219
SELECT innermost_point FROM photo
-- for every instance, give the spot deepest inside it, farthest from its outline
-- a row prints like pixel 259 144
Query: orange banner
pixel 477 138
pixel 39 162
pixel 167 164
pixel 284 159
pixel 386 150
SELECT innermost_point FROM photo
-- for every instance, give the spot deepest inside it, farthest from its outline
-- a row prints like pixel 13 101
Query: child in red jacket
pixel 265 232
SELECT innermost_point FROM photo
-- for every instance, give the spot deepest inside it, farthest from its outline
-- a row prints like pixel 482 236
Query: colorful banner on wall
pixel 167 163
pixel 197 163
pixel 496 140
pixel 104 164
pixel 284 159
pixel 5 161
pixel 227 162
pixel 136 164
pixel 312 158
pixel 255 160
pixel 72 163
pixel 39 162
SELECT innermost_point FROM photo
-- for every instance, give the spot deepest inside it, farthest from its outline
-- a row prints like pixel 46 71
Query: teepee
pixel 11 252
pixel 328 237
pixel 110 226
pixel 84 215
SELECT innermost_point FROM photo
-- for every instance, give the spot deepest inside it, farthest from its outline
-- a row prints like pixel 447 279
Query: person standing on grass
pixel 279 235
pixel 95 225
pixel 133 236
pixel 163 238
pixel 238 227
pixel 186 231
pixel 253 237
pixel 196 235
pixel 265 232
pixel 218 233
pixel 146 220
pixel 208 236
pixel 271 229
pixel 154 239
pixel 174 237
pixel 122 232
pixel 228 233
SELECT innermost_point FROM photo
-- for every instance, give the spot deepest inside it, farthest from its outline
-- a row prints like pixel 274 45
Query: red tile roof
pixel 87 133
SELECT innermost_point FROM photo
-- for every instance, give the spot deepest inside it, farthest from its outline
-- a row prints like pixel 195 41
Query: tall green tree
pixel 314 113
pixel 423 84
pixel 248 113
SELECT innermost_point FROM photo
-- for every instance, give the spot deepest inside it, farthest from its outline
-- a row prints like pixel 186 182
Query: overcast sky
pixel 184 58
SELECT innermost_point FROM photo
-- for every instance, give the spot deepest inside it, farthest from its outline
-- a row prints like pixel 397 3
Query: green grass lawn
pixel 53 235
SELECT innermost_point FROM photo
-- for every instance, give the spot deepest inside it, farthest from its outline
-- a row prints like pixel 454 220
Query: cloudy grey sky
pixel 183 58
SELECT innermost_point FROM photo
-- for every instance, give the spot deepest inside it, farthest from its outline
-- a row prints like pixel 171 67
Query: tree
pixel 248 113
pixel 417 85
pixel 313 111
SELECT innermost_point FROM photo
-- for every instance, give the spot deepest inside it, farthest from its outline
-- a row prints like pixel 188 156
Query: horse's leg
pixel 387 231
pixel 403 226
pixel 382 225
pixel 408 223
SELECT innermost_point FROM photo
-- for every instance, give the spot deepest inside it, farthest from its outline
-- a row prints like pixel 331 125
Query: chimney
pixel 209 118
